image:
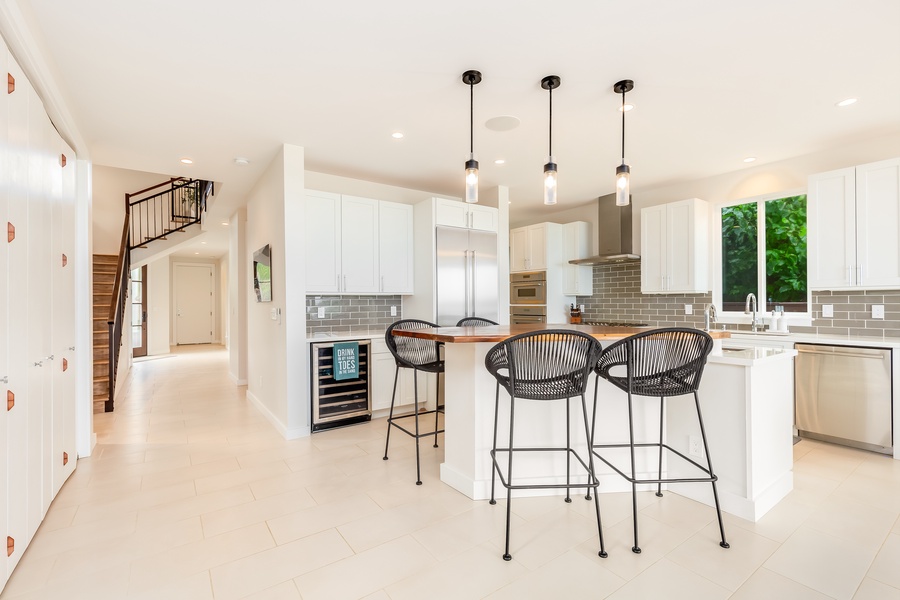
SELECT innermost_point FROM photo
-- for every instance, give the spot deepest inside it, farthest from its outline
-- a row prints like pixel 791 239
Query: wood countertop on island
pixel 498 333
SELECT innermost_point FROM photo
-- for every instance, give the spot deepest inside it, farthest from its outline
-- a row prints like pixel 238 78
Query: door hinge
pixel 10 400
pixel 65 458
pixel 65 260
pixel 10 545
pixel 65 365
pixel 62 160
pixel 10 232
pixel 10 83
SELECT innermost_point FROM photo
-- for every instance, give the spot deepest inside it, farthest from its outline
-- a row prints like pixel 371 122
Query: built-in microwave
pixel 528 288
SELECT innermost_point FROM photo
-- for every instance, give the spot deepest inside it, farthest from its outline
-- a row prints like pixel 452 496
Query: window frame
pixel 738 317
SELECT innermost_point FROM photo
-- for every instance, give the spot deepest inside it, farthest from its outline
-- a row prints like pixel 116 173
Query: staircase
pixel 104 281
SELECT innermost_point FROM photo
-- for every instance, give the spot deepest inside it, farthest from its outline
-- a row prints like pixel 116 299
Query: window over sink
pixel 762 250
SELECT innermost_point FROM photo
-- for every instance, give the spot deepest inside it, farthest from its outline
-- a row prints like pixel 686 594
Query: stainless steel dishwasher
pixel 843 395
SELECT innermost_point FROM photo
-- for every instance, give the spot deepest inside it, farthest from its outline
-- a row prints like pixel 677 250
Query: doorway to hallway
pixel 194 303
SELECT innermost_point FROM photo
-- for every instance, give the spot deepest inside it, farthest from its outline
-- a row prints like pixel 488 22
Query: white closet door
pixel 4 314
pixel 17 307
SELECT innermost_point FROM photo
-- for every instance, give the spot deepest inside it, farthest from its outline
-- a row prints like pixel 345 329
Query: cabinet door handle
pixel 859 275
pixel 849 275
pixel 345 283
pixel 382 283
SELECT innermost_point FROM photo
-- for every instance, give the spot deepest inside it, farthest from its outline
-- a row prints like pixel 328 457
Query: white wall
pixel 158 307
pixel 277 374
pixel 110 186
pixel 238 296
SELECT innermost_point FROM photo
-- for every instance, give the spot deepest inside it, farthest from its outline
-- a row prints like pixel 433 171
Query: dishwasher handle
pixel 842 354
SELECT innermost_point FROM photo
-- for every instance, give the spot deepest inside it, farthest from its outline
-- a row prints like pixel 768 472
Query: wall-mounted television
pixel 262 274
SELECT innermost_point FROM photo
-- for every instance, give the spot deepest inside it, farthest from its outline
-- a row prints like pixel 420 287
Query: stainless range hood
pixel 614 233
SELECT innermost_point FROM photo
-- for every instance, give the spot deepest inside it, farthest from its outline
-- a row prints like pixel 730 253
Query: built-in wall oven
pixel 528 288
pixel 520 315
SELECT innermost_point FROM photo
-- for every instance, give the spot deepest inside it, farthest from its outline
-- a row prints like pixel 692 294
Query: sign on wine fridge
pixel 339 378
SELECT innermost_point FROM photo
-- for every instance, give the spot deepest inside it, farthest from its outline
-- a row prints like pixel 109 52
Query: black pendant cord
pixel 550 136
pixel 471 118
pixel 623 127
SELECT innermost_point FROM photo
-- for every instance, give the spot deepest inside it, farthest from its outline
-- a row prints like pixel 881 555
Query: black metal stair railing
pixel 155 215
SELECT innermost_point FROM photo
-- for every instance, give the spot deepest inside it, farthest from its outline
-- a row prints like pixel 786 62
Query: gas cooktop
pixel 614 324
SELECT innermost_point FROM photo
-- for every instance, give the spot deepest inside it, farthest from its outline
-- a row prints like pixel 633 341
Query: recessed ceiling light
pixel 626 108
pixel 847 102
pixel 397 135
pixel 241 161
pixel 749 159
pixel 202 242
pixel 499 161
pixel 224 222
pixel 196 253
pixel 187 161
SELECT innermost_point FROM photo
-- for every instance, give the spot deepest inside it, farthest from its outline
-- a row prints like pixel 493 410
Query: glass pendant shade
pixel 622 185
pixel 550 182
pixel 471 180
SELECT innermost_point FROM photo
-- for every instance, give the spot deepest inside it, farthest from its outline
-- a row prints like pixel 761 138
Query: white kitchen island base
pixel 746 399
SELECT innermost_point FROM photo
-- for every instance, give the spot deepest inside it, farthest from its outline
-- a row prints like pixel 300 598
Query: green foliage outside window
pixel 785 253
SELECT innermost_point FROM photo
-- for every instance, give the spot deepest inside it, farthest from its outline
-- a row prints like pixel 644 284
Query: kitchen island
pixel 747 405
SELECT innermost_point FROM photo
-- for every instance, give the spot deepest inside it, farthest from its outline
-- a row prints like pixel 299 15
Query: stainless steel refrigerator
pixel 466 275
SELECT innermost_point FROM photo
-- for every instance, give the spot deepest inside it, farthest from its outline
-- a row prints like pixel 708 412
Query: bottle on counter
pixel 774 321
pixel 574 314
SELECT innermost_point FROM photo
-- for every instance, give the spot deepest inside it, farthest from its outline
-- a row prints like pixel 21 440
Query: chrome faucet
pixel 709 316
pixel 750 309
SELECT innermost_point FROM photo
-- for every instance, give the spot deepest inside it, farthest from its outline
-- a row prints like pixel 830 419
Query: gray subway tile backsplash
pixel 617 297
pixel 351 313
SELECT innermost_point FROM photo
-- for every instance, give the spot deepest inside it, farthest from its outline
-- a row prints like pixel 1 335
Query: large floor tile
pixel 665 579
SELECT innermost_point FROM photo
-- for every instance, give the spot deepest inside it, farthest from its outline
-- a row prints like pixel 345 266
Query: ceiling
pixel 715 82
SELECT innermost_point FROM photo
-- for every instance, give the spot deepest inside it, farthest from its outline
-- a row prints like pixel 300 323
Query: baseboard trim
pixel 291 433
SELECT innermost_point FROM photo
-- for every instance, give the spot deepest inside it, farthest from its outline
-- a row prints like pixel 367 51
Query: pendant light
pixel 623 171
pixel 471 79
pixel 550 83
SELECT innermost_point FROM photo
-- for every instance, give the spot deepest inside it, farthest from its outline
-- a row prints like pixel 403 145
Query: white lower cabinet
pixel 382 386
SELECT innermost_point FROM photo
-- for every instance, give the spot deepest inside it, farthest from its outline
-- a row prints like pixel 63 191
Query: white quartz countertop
pixel 732 353
pixel 819 338
pixel 356 334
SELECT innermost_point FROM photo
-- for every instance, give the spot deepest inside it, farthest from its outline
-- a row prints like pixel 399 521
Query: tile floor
pixel 191 494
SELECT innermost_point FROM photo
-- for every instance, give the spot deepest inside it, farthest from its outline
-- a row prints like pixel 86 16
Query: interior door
pixel 193 304
pixel 139 311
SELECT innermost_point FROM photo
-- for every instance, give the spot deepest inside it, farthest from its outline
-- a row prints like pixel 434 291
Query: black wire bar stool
pixel 543 366
pixel 475 322
pixel 658 363
pixel 418 355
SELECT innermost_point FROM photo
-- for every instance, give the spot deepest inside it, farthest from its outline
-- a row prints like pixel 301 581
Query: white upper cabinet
pixel 453 213
pixel 853 233
pixel 578 280
pixel 395 247
pixel 674 247
pixel 323 242
pixel 528 247
pixel 358 245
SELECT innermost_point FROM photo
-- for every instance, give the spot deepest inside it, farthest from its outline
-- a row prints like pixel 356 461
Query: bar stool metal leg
pixel 387 439
pixel 589 437
pixel 723 543
pixel 661 425
pixel 634 510
pixel 437 393
pixel 568 454
pixel 494 455
pixel 512 401
pixel 416 419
